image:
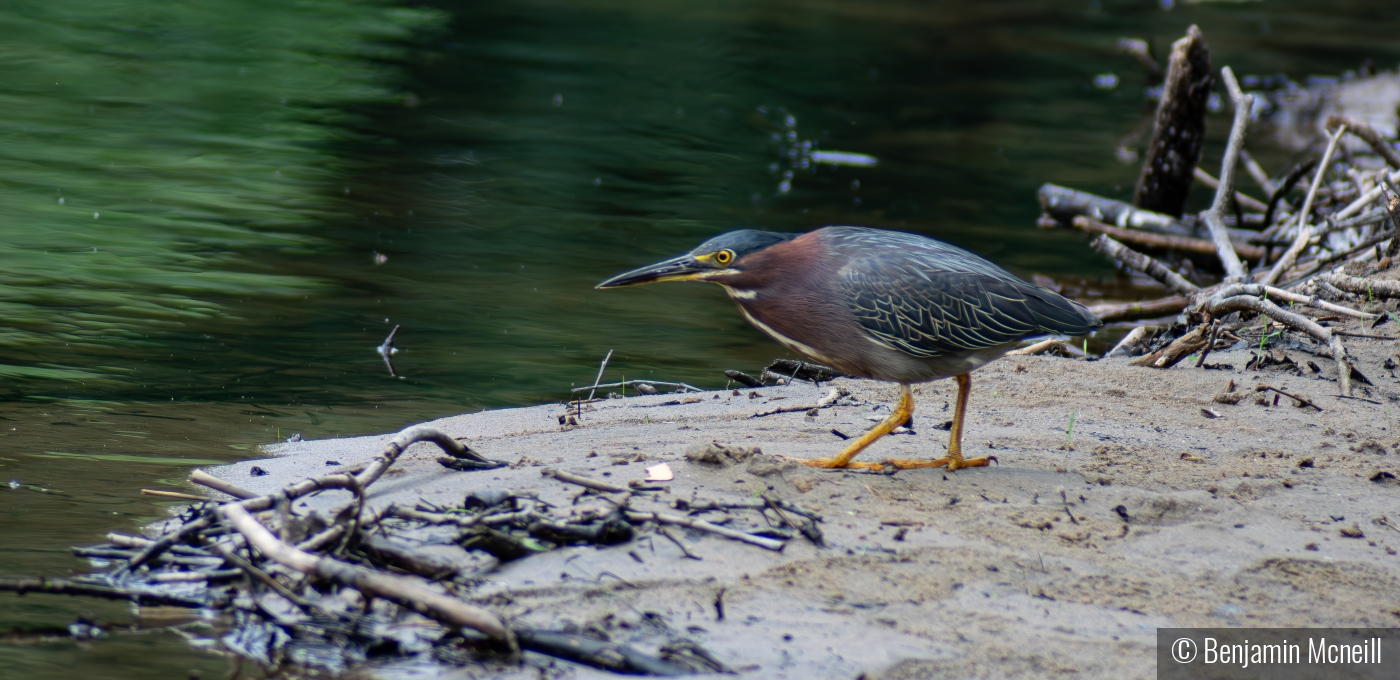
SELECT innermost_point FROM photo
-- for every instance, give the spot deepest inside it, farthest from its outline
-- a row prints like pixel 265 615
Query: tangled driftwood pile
pixel 304 590
pixel 1314 247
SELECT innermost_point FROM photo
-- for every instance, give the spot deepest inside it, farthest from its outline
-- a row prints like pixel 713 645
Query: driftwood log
pixel 1178 135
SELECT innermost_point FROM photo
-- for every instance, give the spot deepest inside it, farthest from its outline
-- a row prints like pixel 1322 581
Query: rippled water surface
pixel 196 195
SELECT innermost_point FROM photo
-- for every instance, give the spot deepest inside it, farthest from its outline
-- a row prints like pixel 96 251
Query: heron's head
pixel 720 256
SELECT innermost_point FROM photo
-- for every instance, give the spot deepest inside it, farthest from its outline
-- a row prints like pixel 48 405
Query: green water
pixel 194 195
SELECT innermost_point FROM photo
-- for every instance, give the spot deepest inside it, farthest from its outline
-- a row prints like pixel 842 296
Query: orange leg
pixel 898 416
pixel 954 459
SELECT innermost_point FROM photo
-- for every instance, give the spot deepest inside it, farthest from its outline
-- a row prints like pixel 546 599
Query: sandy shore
pixel 1062 560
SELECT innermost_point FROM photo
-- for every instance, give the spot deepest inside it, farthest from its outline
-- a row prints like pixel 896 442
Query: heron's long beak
pixel 683 268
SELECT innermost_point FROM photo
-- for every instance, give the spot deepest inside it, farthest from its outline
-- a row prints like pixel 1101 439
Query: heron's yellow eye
pixel 724 256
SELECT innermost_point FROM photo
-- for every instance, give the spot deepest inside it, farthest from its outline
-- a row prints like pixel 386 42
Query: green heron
pixel 876 304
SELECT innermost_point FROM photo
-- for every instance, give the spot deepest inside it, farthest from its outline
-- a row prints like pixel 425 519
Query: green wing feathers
pixel 927 299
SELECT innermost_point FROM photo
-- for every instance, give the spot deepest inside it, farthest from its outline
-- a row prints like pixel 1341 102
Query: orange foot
pixel 951 462
pixel 835 463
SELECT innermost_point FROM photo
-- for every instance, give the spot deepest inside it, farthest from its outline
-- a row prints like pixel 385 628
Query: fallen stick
pixel 1037 348
pixel 585 482
pixel 1307 268
pixel 1392 208
pixel 194 576
pixel 1179 349
pixel 1130 342
pixel 1064 204
pixel 344 480
pixel 1367 134
pixel 1244 199
pixel 596 653
pixel 1215 216
pixel 1300 400
pixel 1354 284
pixel 1284 187
pixel 1367 198
pixel 1235 297
pixel 21 586
pixel 433 518
pixel 1257 172
pixel 1305 228
pixel 1187 244
pixel 205 479
pixel 1133 311
pixel 702 525
pixel 1106 246
pixel 825 402
pixel 176 495
pixel 631 383
pixel 666 531
pixel 409 592
pixel 1352 334
pixel 598 379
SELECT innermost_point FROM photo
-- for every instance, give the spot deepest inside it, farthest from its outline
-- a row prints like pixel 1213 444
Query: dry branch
pixel 205 479
pixel 1133 311
pixel 585 482
pixel 702 525
pixel 61 587
pixel 1381 288
pixel 1185 244
pixel 1064 204
pixel 1241 297
pixel 1245 200
pixel 1215 216
pixel 1106 246
pixel 1367 134
pixel 408 592
pixel 1176 351
pixel 1305 228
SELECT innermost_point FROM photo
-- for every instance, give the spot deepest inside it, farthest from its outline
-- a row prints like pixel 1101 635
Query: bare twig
pixel 1305 228
pixel 1239 297
pixel 1381 288
pixel 702 525
pixel 602 367
pixel 1188 244
pixel 1130 342
pixel 1112 249
pixel 825 402
pixel 1064 204
pixel 1366 134
pixel 63 587
pixel 176 495
pixel 1215 216
pixel 1038 348
pixel 371 472
pixel 386 351
pixel 1147 309
pixel 585 482
pixel 203 478
pixel 666 531
pixel 631 383
pixel 1245 200
pixel 1294 397
pixel 409 592
pixel 1284 187
pixel 1257 172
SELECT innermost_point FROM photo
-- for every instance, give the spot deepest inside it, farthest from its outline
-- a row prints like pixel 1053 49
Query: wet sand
pixel 1061 560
